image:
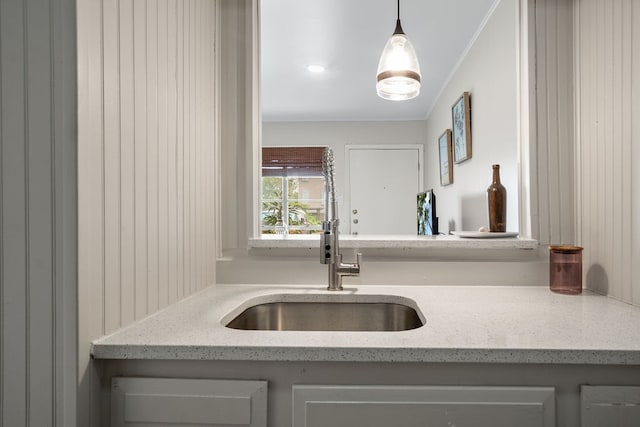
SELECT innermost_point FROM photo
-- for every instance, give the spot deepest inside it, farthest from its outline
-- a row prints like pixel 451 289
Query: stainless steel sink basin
pixel 327 316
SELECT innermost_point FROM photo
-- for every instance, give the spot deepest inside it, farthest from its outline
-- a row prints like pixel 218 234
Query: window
pixel 292 190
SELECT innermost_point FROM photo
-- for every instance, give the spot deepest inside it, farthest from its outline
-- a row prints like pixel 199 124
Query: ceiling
pixel 347 38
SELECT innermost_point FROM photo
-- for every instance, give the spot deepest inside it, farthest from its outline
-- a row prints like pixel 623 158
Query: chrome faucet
pixel 329 242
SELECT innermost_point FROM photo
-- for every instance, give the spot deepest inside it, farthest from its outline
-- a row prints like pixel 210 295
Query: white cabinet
pixel 420 406
pixel 151 402
pixel 606 406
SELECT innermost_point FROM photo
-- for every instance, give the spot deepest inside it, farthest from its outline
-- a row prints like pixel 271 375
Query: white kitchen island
pixel 526 339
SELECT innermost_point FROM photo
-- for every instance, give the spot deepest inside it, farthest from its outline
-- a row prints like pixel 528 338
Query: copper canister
pixel 565 269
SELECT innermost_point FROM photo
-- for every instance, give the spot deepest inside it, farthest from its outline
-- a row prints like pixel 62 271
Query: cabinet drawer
pixel 148 402
pixel 419 406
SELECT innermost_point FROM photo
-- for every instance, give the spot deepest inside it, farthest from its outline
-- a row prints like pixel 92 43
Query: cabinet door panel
pixel 413 414
pixel 187 408
pixel 605 406
pixel 150 402
pixel 415 406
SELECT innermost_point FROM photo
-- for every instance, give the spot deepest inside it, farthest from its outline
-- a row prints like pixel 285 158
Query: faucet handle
pixel 357 265
pixel 350 268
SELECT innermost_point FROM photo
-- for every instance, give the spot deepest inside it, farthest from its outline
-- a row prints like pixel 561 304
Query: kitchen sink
pixel 327 316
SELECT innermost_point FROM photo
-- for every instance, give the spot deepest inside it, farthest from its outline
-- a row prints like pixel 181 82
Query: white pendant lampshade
pixel 398 69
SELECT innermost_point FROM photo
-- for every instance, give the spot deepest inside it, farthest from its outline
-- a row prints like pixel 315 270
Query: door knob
pixel 355 211
pixel 355 221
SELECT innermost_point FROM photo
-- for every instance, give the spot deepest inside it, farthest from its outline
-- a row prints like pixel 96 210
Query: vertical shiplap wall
pixel 241 121
pixel 147 135
pixel 37 213
pixel 608 133
pixel 553 157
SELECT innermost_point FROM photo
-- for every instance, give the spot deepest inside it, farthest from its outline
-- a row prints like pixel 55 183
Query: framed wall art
pixel 446 161
pixel 461 116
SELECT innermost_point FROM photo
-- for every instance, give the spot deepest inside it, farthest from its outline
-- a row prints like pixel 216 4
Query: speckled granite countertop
pixel 463 324
pixel 393 241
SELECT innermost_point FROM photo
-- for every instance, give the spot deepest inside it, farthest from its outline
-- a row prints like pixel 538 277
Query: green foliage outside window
pixel 273 206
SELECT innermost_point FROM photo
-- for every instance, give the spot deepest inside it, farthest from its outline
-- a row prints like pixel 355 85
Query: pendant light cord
pixel 398 29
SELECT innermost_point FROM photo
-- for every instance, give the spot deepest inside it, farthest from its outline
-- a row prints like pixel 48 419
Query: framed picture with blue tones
pixel 427 219
pixel 446 162
pixel 461 115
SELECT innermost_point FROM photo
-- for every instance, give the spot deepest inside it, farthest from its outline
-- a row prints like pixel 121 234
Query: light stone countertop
pixel 393 241
pixel 463 324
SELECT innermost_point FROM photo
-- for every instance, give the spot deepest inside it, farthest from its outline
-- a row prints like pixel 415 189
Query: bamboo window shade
pixel 292 161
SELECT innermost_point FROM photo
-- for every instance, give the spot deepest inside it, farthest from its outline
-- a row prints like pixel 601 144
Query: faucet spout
pixel 329 242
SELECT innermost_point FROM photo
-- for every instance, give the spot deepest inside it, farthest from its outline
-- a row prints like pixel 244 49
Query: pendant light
pixel 398 69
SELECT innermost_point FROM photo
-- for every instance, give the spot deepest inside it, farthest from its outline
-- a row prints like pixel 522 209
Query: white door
pixel 383 185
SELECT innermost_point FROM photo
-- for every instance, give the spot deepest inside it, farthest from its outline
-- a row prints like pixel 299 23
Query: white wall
pixel 240 121
pixel 541 52
pixel 242 266
pixel 488 72
pixel 553 214
pixel 37 213
pixel 608 149
pixel 338 135
pixel 146 164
